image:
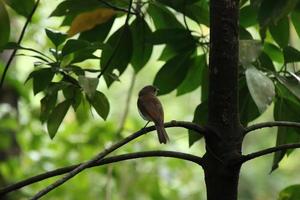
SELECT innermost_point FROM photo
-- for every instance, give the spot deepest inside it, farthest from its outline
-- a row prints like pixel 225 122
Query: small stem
pixel 271 124
pixel 268 151
pixel 19 41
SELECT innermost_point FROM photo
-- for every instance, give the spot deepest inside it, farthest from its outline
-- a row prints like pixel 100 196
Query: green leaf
pixel 89 85
pixel 286 108
pixel 260 87
pixel 271 11
pixel 100 103
pixel 291 84
pixel 266 62
pixel 291 54
pixel 56 38
pixel 162 17
pixel 22 7
pixel 281 32
pixel 47 105
pixel 248 15
pixel 273 52
pixel 72 46
pixel 248 110
pixel 291 192
pixel 193 79
pixel 98 33
pixel 200 118
pixel 249 50
pixel 117 53
pixel 57 116
pixel 5 26
pixel 295 18
pixel 172 73
pixel 244 34
pixel 41 79
pixel 162 36
pixel 142 50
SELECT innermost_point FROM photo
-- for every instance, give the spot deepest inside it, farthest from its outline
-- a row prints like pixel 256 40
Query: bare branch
pixel 108 160
pixel 268 151
pixel 271 124
pixel 19 41
pixel 101 155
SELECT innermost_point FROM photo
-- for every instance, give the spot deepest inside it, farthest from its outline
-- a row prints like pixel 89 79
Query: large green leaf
pixel 260 87
pixel 172 73
pixel 248 15
pixel 56 38
pixel 89 85
pixel 281 32
pixel 295 18
pixel 162 17
pixel 98 33
pixel 291 84
pixel 273 52
pixel 5 26
pixel 57 116
pixel 100 103
pixel 142 50
pixel 41 79
pixel 248 110
pixel 194 77
pixel 291 192
pixel 48 103
pixel 266 62
pixel 73 45
pixel 173 35
pixel 291 54
pixel 22 7
pixel 117 53
pixel 286 108
pixel 200 117
pixel 271 11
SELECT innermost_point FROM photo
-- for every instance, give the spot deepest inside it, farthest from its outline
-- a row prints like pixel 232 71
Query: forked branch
pixel 105 152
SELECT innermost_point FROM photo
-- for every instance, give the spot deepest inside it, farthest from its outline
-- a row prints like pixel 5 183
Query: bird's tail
pixel 162 134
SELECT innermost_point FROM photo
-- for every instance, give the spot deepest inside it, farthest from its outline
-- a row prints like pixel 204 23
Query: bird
pixel 151 109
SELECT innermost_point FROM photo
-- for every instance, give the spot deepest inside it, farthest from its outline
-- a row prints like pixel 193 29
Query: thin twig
pixel 101 155
pixel 271 124
pixel 19 41
pixel 268 151
pixel 108 160
pixel 118 42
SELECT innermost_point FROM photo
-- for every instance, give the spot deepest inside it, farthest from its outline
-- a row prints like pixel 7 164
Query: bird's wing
pixel 151 108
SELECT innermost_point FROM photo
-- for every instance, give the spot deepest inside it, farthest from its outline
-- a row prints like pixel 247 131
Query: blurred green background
pixel 84 134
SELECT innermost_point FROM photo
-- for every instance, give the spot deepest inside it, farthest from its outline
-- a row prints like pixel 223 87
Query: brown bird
pixel 151 109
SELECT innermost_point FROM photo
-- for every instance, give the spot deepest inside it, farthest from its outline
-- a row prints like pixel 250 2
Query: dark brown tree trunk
pixel 221 177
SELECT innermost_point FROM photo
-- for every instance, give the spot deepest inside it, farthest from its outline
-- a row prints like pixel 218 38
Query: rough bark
pixel 221 177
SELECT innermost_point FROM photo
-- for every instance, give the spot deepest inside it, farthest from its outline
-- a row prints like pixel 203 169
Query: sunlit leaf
pixel 260 87
pixel 56 117
pixel 89 85
pixel 248 16
pixel 249 50
pixel 88 20
pixel 273 52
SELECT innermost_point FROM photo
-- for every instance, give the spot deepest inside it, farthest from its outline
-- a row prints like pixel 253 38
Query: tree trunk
pixel 221 177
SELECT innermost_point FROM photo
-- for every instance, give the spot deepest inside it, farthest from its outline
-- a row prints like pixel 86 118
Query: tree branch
pixel 268 151
pixel 271 124
pixel 101 155
pixel 117 8
pixel 19 41
pixel 113 159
